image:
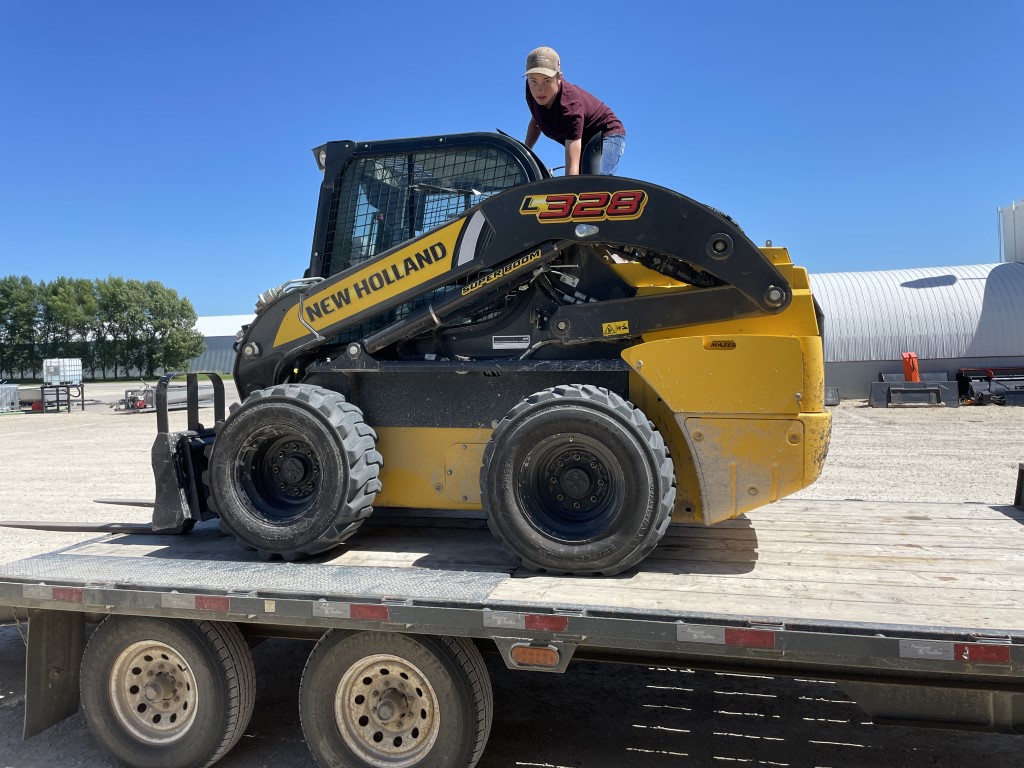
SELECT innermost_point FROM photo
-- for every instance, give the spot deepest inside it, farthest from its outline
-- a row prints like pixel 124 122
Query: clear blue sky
pixel 171 141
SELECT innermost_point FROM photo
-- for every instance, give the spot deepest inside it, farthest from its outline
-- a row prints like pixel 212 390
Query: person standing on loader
pixel 572 117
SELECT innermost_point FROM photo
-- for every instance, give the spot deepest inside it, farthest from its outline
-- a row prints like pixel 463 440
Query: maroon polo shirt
pixel 574 114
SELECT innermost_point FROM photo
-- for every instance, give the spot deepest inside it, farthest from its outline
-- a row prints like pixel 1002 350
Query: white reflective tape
pixel 926 649
pixel 178 600
pixel 504 619
pixel 693 633
pixel 323 609
pixel 37 591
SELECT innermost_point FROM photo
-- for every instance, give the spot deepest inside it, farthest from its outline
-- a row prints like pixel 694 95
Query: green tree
pixel 118 322
pixel 169 333
pixel 68 314
pixel 114 325
pixel 19 325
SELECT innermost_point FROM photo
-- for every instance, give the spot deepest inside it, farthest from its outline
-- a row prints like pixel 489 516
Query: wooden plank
pixel 976 529
pixel 824 577
pixel 821 606
pixel 795 590
pixel 882 510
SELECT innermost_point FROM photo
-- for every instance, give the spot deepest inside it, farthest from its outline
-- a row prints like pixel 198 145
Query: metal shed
pixel 951 317
pixel 219 332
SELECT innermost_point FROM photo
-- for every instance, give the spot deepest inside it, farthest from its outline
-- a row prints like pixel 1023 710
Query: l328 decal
pixel 623 205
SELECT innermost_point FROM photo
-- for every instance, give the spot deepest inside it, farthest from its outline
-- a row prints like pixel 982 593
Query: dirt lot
pixel 52 467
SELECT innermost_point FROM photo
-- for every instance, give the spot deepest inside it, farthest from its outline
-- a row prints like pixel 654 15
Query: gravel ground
pixel 53 465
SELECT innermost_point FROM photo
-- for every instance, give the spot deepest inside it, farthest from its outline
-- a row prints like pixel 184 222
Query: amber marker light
pixel 545 656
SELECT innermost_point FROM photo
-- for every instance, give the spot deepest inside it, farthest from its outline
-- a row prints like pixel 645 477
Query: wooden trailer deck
pixel 958 566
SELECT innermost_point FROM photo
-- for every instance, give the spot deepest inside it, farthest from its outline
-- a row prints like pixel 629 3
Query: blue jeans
pixel 612 148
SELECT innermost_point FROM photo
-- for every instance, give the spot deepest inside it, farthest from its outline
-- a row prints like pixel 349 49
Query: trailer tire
pixel 576 480
pixel 389 699
pixel 293 471
pixel 172 693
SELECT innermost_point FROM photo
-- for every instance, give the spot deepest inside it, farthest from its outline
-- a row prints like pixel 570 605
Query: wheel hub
pixel 280 475
pixel 392 702
pixel 153 692
pixel 388 710
pixel 577 481
pixel 161 688
pixel 294 467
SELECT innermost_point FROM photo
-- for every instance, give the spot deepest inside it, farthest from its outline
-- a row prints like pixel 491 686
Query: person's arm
pixel 573 150
pixel 532 133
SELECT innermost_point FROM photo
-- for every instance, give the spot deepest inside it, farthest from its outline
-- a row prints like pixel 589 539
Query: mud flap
pixel 56 640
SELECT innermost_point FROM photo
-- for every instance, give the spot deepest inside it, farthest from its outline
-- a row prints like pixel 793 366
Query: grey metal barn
pixel 950 317
pixel 219 333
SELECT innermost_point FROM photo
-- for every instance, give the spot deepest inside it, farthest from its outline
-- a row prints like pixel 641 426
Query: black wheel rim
pixel 280 474
pixel 570 488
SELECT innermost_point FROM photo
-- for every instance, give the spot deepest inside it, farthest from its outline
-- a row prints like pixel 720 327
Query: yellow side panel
pixel 427 468
pixel 723 374
pixel 814 374
pixel 745 463
pixel 688 502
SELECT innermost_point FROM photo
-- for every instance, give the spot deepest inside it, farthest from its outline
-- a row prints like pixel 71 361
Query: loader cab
pixel 376 195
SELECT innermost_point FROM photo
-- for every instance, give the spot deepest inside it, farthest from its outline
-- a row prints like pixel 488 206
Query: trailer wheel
pixel 576 480
pixel 172 693
pixel 389 700
pixel 293 471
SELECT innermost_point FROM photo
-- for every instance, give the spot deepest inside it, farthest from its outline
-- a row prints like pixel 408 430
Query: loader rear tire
pixel 293 471
pixel 576 480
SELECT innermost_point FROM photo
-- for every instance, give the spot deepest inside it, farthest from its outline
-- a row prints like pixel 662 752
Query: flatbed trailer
pixel 915 609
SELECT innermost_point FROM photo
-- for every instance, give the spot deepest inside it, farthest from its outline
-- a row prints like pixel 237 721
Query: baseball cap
pixel 543 61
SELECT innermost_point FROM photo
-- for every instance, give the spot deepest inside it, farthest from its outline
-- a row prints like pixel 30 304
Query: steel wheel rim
pixel 570 488
pixel 280 474
pixel 153 692
pixel 387 711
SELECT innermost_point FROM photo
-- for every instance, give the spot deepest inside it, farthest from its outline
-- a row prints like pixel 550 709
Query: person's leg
pixel 590 157
pixel 611 150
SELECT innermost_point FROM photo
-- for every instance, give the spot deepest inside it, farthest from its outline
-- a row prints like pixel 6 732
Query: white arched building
pixel 950 317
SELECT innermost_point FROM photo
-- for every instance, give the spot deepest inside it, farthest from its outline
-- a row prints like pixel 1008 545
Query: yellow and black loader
pixel 583 358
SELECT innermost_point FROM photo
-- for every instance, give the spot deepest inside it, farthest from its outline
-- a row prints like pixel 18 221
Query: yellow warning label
pixel 618 328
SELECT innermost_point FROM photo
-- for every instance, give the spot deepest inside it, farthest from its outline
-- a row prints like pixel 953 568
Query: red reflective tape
pixel 750 638
pixel 986 654
pixel 209 603
pixel 67 594
pixel 368 612
pixel 547 622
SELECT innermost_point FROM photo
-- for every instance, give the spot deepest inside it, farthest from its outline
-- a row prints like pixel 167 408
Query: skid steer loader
pixel 583 358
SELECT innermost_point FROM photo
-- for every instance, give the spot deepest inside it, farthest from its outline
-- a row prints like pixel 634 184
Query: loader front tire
pixel 293 471
pixel 576 480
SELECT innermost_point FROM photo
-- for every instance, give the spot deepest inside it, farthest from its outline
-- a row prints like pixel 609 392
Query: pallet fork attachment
pixel 179 458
